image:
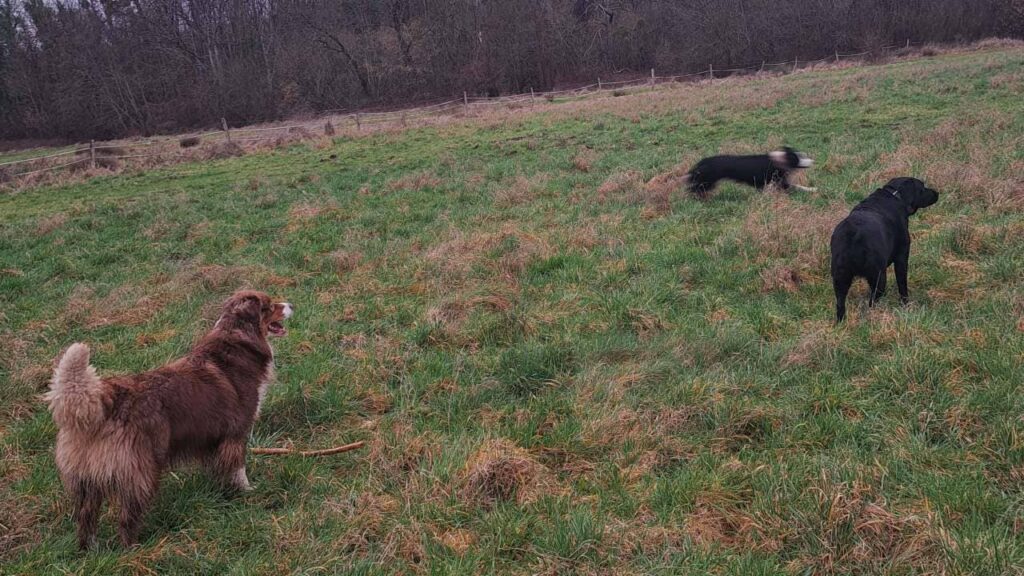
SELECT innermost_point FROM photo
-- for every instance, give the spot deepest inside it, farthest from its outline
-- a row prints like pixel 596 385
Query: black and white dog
pixel 758 170
pixel 875 235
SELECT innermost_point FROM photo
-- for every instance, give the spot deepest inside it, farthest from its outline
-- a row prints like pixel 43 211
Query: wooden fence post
pixel 92 154
pixel 837 55
pixel 652 76
pixel 796 63
pixel 224 125
pixel 359 125
pixel 465 101
pixel 711 72
pixel 599 84
pixel 533 98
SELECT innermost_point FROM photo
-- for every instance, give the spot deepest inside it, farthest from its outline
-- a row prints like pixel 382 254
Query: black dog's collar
pixel 895 193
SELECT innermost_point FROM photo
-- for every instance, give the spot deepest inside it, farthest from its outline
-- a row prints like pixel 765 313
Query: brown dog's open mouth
pixel 276 329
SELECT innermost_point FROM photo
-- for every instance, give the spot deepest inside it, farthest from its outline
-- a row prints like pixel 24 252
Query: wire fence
pixel 108 153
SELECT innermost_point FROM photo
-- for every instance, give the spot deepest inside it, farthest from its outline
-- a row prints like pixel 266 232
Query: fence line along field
pixel 29 168
pixel 558 361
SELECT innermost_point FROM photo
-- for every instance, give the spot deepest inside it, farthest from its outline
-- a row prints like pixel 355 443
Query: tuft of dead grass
pixel 506 252
pixel 792 238
pixel 413 182
pixel 782 278
pixel 522 190
pixel 221 150
pixel 346 261
pixel 48 224
pixel 816 347
pixel 857 531
pixel 458 540
pixel 624 186
pixel 658 190
pixel 502 471
pixel 584 159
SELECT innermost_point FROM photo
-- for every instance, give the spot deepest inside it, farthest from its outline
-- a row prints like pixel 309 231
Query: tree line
pixel 108 68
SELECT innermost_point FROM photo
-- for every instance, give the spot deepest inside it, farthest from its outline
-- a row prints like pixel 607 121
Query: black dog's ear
pixel 913 192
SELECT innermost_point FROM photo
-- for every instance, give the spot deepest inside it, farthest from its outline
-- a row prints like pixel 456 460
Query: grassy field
pixel 560 363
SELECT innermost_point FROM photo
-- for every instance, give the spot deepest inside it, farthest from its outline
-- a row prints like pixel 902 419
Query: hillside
pixel 559 361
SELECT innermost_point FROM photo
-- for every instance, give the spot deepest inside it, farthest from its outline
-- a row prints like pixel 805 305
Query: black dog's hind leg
pixel 877 285
pixel 841 284
pixel 902 261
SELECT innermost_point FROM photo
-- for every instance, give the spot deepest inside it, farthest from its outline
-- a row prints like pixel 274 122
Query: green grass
pixel 554 370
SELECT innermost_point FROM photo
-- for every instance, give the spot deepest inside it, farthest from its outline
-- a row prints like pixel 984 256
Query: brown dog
pixel 118 435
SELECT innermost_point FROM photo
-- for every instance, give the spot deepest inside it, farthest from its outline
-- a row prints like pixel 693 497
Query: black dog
pixel 875 235
pixel 758 171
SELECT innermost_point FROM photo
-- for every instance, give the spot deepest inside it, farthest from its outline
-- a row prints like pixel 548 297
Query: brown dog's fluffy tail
pixel 75 395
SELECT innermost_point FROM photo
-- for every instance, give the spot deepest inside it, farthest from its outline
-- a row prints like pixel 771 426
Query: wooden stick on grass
pixel 325 452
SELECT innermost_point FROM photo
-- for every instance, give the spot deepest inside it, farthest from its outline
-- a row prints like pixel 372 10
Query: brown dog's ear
pixel 246 307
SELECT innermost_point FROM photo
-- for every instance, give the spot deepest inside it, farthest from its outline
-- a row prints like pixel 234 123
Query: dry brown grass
pixel 584 159
pixel 346 261
pixel 136 304
pixel 19 525
pixel 856 87
pixel 858 532
pixel 968 170
pixel 413 182
pixel 500 470
pixel 221 150
pixel 369 517
pixel 658 190
pixel 398 452
pixel 782 278
pixel 521 190
pixel 458 540
pixel 745 425
pixel 624 186
pixel 511 250
pixel 792 238
pixel 451 314
pixel 818 343
pixel 48 224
